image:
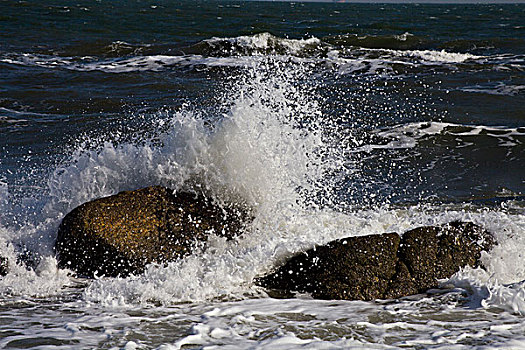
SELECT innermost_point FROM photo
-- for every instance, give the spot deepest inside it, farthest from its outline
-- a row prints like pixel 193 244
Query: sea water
pixel 329 120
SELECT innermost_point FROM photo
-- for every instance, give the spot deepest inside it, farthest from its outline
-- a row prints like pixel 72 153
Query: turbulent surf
pixel 329 120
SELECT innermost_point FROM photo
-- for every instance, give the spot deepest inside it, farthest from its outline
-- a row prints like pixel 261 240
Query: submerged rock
pixel 380 266
pixel 121 234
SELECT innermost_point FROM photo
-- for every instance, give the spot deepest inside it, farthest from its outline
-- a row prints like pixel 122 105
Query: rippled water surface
pixel 330 120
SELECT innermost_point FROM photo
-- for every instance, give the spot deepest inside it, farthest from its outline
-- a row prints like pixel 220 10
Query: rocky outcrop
pixel 121 234
pixel 380 266
pixel 331 271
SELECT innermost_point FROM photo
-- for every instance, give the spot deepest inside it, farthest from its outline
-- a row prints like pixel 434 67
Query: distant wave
pixel 257 44
pixel 499 88
pixel 403 41
pixel 133 64
pixel 366 64
pixel 243 51
pixel 407 135
pixel 438 56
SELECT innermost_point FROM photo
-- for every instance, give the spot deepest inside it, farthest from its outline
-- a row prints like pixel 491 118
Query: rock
pixel 433 253
pixel 402 284
pixel 4 264
pixel 418 251
pixel 382 266
pixel 121 234
pixel 350 268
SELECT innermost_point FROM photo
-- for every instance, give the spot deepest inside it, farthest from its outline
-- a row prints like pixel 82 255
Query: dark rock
pixel 418 250
pixel 433 253
pixel 401 284
pixel 121 234
pixel 381 266
pixel 4 264
pixel 350 268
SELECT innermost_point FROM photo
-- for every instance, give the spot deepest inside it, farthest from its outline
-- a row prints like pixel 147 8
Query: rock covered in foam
pixel 381 266
pixel 121 234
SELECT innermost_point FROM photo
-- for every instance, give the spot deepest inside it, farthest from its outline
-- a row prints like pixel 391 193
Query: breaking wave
pixel 243 51
pixel 257 44
pixel 407 135
pixel 272 149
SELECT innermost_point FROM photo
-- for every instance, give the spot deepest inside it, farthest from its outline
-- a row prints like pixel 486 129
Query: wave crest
pixel 257 44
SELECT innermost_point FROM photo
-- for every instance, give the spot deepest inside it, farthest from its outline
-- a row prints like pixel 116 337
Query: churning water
pixel 329 120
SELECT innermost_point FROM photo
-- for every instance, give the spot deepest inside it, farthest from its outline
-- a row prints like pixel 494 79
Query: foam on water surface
pixel 407 135
pixel 265 41
pixel 243 51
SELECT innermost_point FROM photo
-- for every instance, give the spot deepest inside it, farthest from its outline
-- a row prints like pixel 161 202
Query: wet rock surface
pixel 331 271
pixel 433 253
pixel 3 266
pixel 121 234
pixel 381 266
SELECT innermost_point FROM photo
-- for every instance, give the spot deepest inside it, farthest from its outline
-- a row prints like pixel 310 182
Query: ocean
pixel 329 120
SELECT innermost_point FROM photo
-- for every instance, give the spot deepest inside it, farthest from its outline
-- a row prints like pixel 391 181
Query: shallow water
pixel 330 120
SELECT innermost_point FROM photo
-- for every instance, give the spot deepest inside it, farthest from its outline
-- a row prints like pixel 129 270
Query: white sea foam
pixel 407 135
pixel 261 41
pixel 266 41
pixel 146 63
pixel 252 49
pixel 44 280
pixel 366 61
pixel 4 195
pixel 133 64
pixel 439 56
pixel 425 56
pixel 315 324
pixel 404 36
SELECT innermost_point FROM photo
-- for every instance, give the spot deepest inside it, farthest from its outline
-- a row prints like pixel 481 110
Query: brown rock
pixel 121 234
pixel 381 266
pixel 433 253
pixel 349 268
pixel 418 250
pixel 401 284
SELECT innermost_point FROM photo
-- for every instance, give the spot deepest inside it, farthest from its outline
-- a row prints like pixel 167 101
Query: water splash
pixel 268 144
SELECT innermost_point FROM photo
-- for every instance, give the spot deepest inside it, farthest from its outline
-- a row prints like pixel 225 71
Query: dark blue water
pixel 73 69
pixel 330 119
